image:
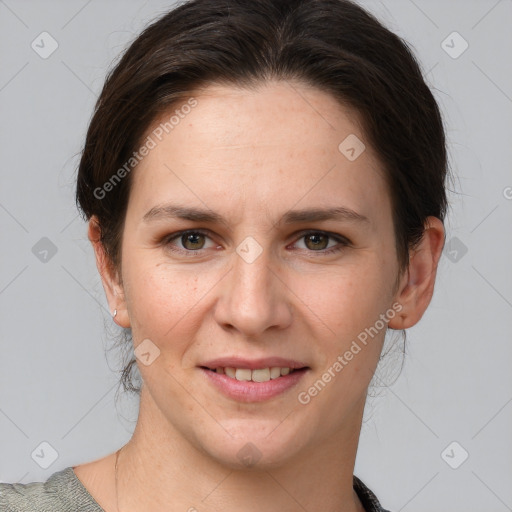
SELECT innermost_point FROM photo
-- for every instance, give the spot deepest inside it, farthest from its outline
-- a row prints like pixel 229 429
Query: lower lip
pixel 249 391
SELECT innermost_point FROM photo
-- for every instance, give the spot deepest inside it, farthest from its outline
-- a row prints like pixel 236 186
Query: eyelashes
pixel 193 237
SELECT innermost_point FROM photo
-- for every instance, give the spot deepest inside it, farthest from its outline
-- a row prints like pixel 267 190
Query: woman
pixel 265 189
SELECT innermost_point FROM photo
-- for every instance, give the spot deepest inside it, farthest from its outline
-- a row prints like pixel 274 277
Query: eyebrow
pixel 339 213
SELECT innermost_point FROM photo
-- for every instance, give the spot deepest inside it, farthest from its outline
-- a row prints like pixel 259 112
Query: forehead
pixel 276 144
pixel 264 115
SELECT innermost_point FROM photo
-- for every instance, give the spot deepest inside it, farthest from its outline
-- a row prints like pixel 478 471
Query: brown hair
pixel 333 45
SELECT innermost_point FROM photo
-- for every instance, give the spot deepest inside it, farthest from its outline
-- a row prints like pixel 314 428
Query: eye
pixel 318 241
pixel 191 242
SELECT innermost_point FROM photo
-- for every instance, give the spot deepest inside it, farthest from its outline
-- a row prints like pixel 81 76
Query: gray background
pixel 56 385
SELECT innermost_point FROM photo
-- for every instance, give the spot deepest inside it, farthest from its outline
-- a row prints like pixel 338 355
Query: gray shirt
pixel 64 492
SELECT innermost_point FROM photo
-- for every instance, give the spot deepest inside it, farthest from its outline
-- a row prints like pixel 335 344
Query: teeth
pixel 275 372
pixel 259 375
pixel 230 372
pixel 242 374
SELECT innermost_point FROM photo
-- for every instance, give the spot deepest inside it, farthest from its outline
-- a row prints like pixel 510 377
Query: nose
pixel 254 297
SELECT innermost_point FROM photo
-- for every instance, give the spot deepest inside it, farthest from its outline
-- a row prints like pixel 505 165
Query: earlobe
pixel 417 286
pixel 109 278
pixel 121 318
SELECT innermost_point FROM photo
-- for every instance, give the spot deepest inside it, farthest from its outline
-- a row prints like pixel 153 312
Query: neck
pixel 158 470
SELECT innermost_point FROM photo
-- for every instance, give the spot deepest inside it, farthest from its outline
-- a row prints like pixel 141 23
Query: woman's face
pixel 262 280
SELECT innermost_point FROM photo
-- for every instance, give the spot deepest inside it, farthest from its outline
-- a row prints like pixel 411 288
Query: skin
pixel 279 152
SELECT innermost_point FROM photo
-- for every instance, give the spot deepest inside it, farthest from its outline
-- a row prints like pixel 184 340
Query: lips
pixel 253 380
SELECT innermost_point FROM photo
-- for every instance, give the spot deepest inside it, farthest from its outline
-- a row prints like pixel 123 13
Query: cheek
pixel 159 297
pixel 349 304
pixel 344 300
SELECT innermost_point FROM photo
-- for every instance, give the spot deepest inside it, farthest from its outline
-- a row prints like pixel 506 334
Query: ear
pixel 417 284
pixel 109 276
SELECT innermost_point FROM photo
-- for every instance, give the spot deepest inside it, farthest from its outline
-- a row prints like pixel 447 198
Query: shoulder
pixel 62 492
pixel 367 497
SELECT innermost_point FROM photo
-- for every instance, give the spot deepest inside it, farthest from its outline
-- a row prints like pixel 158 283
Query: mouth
pixel 255 375
pixel 243 380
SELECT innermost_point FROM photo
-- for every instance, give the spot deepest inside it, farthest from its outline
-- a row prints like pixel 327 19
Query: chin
pixel 253 444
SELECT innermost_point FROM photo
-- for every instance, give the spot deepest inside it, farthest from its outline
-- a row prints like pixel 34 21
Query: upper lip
pixel 252 364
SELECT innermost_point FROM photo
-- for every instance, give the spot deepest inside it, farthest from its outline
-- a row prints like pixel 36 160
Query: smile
pixel 257 375
pixel 256 385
